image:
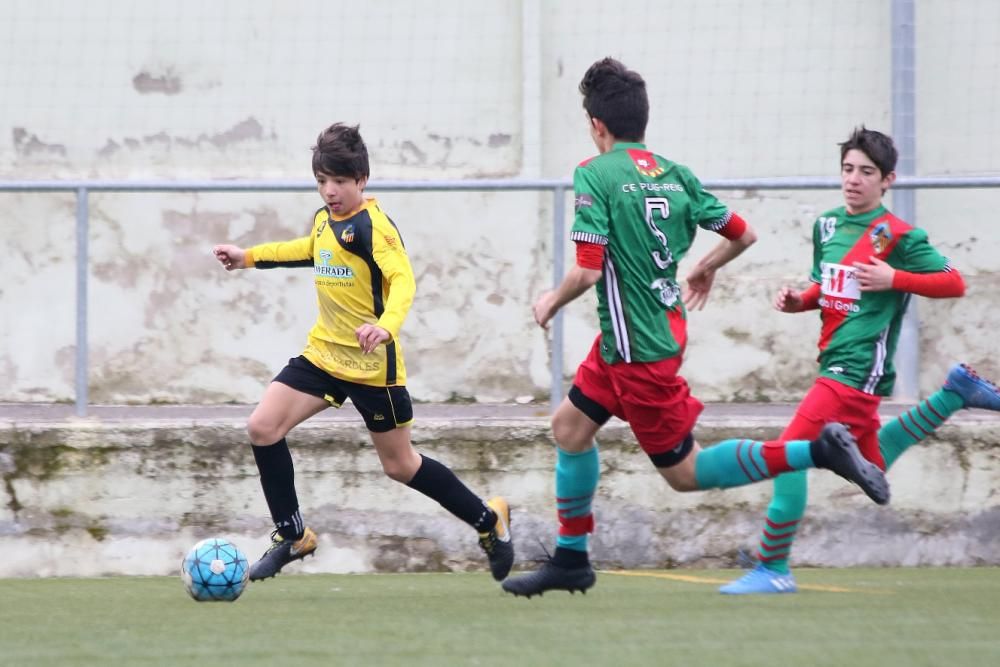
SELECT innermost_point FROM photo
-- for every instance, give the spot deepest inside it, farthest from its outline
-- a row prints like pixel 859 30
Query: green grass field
pixel 884 617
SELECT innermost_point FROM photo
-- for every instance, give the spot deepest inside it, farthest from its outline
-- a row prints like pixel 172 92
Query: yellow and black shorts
pixel 383 408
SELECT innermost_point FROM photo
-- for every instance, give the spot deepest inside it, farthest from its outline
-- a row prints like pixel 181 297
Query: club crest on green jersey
pixel 645 163
pixel 827 228
pixel 881 237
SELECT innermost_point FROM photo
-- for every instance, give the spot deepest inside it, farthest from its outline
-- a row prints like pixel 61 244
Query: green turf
pixel 887 617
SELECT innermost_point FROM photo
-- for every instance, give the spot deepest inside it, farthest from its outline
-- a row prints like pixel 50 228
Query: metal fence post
pixel 904 133
pixel 558 270
pixel 82 263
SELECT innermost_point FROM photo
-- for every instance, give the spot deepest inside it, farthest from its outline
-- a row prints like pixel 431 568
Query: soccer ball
pixel 214 569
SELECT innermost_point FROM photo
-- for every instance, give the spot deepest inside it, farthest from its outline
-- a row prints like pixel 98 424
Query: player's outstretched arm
pixel 230 256
pixel 699 281
pixel 577 281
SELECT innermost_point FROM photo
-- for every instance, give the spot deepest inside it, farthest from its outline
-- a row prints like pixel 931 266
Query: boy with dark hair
pixel 636 216
pixel 866 265
pixel 365 285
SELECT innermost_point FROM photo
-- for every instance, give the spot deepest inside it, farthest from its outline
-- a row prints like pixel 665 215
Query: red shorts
pixel 651 397
pixel 830 401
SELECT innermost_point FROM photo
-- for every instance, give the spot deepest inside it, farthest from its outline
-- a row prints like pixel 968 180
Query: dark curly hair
pixel 616 96
pixel 340 151
pixel 877 146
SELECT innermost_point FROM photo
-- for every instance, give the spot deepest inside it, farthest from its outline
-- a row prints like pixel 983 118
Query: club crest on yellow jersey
pixel 347 235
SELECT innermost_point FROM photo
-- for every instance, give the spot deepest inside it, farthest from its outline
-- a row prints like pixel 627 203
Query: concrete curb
pixel 127 489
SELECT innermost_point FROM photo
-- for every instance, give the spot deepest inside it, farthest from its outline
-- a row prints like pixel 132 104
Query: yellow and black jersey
pixel 362 274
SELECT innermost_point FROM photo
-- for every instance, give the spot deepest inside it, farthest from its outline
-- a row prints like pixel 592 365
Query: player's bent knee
pixel 674 456
pixel 679 480
pixel 401 466
pixel 577 420
pixel 570 438
pixel 263 433
pixel 675 467
pixel 396 471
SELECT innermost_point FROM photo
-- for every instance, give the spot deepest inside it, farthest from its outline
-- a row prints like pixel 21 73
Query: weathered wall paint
pixel 228 90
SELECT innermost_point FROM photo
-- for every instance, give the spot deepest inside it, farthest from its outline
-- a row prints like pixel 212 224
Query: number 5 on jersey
pixel 659 205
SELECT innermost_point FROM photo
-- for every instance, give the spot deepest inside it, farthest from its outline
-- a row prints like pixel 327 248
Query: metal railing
pixel 558 188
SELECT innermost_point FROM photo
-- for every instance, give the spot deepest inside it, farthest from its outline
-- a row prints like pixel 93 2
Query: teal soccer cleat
pixel 975 392
pixel 761 581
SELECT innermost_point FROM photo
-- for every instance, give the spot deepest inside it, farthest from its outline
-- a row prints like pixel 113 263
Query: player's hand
pixel 370 336
pixel 544 308
pixel 788 301
pixel 876 276
pixel 699 284
pixel 230 256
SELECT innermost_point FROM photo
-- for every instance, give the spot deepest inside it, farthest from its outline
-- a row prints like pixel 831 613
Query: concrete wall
pixel 129 490
pixel 447 89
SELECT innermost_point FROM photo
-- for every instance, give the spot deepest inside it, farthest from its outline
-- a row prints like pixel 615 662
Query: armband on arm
pixel 589 255
pixel 735 228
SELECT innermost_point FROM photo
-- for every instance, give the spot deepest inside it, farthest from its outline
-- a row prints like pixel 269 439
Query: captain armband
pixel 589 255
pixel 734 227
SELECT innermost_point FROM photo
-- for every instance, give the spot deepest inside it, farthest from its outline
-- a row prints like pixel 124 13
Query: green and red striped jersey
pixel 645 210
pixel 860 329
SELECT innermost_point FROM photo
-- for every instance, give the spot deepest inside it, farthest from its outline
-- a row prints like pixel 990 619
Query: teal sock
pixel 917 423
pixel 739 462
pixel 576 482
pixel 784 513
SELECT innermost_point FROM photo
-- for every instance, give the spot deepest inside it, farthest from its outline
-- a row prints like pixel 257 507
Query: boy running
pixel 365 285
pixel 636 216
pixel 866 265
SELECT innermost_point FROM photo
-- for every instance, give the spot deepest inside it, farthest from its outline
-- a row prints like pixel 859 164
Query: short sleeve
pixel 592 209
pixel 709 212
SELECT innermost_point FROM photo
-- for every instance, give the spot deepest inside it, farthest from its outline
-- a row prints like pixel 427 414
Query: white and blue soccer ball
pixel 215 570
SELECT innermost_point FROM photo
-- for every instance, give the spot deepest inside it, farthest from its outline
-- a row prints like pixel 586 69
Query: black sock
pixel 437 481
pixel 277 478
pixel 570 559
